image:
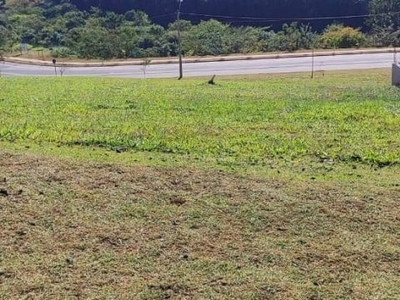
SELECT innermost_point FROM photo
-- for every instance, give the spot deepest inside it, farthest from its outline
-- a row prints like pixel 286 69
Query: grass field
pixel 260 187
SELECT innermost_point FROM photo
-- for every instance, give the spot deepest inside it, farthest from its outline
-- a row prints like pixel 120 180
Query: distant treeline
pixel 124 29
pixel 281 9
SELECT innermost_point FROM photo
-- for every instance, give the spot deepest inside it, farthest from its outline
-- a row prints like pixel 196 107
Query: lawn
pixel 258 187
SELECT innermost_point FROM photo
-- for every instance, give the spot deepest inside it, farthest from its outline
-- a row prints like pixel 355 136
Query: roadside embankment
pixel 173 60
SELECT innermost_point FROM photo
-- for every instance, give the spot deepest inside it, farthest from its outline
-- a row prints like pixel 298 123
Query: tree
pixel 138 18
pixel 292 37
pixel 207 38
pixel 385 21
pixel 284 9
pixel 20 3
pixel 246 39
pixel 129 40
pixel 3 36
pixel 27 26
pixel 124 28
pixel 112 20
pixel 97 42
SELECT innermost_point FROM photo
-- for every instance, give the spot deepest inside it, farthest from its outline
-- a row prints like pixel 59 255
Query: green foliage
pixel 97 33
pixel 95 42
pixel 246 39
pixel 292 37
pixel 129 40
pixel 207 38
pixel 385 22
pixel 17 47
pixel 215 38
pixel 339 36
pixel 4 33
pixel 61 52
pixel 137 18
pixel 26 26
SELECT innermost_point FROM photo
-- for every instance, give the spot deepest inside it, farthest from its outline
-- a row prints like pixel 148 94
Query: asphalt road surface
pixel 261 66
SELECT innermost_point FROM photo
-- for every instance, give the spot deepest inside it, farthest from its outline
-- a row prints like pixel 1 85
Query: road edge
pixel 199 59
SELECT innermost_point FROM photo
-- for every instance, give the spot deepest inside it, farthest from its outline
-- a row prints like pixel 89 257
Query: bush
pixel 245 40
pixel 17 48
pixel 292 37
pixel 338 36
pixel 61 52
pixel 384 37
pixel 208 38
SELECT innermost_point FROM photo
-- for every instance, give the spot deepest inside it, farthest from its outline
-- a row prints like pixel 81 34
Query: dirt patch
pixel 91 230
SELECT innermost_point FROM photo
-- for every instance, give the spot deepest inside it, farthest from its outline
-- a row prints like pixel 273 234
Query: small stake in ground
pixel 146 62
pixel 62 69
pixel 211 81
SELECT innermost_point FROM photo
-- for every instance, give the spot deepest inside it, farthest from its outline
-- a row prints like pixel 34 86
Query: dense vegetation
pixel 130 29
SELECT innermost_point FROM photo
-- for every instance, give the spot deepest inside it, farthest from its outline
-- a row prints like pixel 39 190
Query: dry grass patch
pixel 74 230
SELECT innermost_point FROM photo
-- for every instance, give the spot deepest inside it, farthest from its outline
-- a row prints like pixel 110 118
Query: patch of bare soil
pixel 80 230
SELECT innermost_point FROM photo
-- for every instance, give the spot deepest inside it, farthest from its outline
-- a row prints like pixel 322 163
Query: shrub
pixel 208 38
pixel 292 37
pixel 245 39
pixel 339 36
pixel 61 52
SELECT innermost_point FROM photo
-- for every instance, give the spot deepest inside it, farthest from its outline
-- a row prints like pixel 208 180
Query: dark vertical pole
pixel 312 63
pixel 55 66
pixel 178 18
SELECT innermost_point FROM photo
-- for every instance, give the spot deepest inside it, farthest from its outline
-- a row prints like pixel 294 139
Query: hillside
pixel 238 8
pixel 134 29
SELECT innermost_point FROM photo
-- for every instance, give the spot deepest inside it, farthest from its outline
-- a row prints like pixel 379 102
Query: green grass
pixel 262 187
pixel 240 122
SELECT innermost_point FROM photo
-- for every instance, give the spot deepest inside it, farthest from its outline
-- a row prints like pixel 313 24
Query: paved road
pixel 281 65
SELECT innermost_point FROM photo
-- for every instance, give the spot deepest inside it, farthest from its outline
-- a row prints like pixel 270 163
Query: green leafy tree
pixel 4 32
pixel 207 38
pixel 112 20
pixel 292 37
pixel 138 18
pixel 27 26
pixel 3 36
pixel 385 21
pixel 21 4
pixel 153 41
pixel 245 39
pixel 123 28
pixel 96 42
pixel 171 35
pixel 73 19
pixel 129 40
